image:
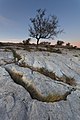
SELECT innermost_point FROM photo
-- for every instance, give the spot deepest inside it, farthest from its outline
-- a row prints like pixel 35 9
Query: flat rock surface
pixel 61 64
pixel 16 102
pixel 6 56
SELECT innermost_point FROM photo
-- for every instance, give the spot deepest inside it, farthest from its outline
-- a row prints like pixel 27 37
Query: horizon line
pixel 53 42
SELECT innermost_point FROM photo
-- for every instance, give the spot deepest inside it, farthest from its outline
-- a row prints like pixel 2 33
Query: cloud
pixel 4 21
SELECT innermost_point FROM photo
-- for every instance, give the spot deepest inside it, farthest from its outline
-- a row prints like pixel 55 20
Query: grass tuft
pixel 68 80
pixel 47 73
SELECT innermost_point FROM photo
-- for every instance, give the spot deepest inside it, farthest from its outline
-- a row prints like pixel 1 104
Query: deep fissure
pixel 33 91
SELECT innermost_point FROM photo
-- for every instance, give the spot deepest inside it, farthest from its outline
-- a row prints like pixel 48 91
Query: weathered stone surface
pixel 44 84
pixel 16 102
pixel 6 56
pixel 63 110
pixel 60 64
pixel 12 98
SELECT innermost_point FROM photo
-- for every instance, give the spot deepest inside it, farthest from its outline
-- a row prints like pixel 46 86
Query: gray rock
pixel 16 102
pixel 63 110
pixel 60 64
pixel 6 56
pixel 44 84
pixel 12 98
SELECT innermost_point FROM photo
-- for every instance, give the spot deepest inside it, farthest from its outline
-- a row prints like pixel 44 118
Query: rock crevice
pixel 20 79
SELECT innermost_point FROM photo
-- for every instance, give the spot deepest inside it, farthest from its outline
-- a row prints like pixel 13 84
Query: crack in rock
pixel 20 79
pixel 19 60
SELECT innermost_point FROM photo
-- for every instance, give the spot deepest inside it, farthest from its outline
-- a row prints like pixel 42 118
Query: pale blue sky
pixel 15 15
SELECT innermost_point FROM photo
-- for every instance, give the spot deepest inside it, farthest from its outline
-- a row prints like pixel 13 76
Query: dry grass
pixel 15 55
pixel 53 98
pixel 50 49
pixel 68 80
pixel 56 97
pixel 47 73
pixel 27 48
pixel 6 50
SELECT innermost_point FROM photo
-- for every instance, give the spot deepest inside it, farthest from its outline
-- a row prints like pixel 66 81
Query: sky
pixel 15 18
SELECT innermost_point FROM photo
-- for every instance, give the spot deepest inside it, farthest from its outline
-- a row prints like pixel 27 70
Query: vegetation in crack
pixel 16 56
pixel 68 80
pixel 65 79
pixel 20 79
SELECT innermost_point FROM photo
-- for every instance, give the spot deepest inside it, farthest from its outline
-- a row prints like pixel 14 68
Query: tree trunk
pixel 37 42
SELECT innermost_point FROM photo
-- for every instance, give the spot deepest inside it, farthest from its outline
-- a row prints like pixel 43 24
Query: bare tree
pixel 43 27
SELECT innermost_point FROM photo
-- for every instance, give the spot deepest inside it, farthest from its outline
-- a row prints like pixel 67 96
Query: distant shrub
pixel 60 43
pixel 75 47
pixel 68 44
pixel 27 42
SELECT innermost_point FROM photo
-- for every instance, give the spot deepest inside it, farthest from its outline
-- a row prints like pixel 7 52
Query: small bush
pixel 75 47
pixel 27 42
pixel 60 43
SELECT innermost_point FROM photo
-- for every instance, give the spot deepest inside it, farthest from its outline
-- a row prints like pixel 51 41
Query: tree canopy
pixel 43 27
